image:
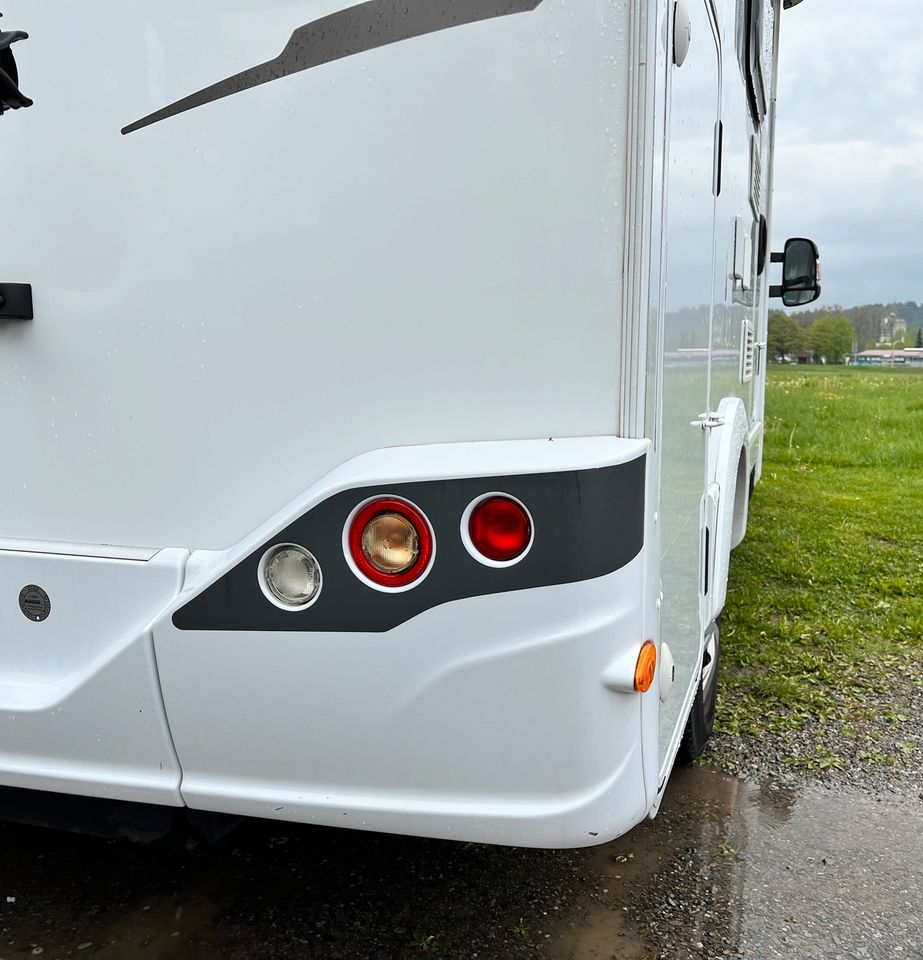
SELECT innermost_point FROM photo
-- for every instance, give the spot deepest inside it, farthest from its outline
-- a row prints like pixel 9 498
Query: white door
pixel 688 299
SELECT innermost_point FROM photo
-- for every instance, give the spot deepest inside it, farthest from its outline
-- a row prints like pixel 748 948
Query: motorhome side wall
pixel 738 320
pixel 706 312
pixel 744 205
pixel 420 243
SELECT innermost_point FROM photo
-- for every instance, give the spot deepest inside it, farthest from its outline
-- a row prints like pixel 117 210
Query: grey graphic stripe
pixel 347 32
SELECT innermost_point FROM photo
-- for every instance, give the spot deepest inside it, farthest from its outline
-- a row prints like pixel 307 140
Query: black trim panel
pixel 345 33
pixel 588 523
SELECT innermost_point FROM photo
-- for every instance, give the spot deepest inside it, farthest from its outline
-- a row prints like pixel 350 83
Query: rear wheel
pixel 702 717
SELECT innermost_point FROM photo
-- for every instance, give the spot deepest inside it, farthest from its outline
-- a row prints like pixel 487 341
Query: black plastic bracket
pixel 16 301
pixel 11 97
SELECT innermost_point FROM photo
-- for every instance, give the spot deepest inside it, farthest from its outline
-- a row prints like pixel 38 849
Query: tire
pixel 702 716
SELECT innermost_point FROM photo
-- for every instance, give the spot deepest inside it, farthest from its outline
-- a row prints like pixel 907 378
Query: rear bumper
pixel 475 709
pixel 486 720
pixel 484 705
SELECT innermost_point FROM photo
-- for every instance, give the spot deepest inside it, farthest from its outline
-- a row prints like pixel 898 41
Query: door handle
pixel 11 97
pixel 708 421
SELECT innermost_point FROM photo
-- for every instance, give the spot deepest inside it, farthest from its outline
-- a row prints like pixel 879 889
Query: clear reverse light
pixel 292 576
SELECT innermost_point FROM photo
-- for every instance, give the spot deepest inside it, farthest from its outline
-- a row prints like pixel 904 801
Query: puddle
pixel 727 870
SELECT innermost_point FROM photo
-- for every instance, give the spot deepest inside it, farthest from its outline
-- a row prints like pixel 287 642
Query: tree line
pixel 831 334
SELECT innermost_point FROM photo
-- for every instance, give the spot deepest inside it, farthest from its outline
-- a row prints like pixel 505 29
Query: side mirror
pixel 800 273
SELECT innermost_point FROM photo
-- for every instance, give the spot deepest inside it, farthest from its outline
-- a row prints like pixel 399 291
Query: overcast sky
pixel 849 168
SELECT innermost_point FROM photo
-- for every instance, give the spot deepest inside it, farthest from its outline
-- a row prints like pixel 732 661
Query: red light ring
pixel 417 520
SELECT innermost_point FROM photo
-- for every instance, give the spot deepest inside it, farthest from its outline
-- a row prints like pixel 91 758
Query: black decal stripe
pixel 588 523
pixel 350 31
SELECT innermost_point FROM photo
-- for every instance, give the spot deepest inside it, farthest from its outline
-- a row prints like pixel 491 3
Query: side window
pixel 755 36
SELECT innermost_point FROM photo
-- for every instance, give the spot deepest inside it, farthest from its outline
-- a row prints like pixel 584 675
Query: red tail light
pixel 390 542
pixel 500 529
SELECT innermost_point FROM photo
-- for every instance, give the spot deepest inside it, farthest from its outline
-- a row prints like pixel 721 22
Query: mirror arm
pixel 775 293
pixel 777 258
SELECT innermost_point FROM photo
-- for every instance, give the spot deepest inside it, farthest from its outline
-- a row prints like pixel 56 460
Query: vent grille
pixel 756 177
pixel 747 352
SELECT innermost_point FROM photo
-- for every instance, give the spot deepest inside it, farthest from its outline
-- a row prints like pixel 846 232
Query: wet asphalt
pixel 728 869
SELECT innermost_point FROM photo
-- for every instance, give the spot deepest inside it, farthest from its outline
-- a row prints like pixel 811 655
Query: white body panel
pixel 80 705
pixel 208 288
pixel 413 264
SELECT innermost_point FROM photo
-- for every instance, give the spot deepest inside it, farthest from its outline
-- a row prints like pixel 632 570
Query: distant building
pixel 910 356
pixel 891 328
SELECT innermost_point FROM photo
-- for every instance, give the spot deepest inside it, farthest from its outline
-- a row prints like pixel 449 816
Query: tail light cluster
pixel 389 544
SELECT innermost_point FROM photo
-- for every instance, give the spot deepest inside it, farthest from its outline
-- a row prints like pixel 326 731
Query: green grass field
pixel 825 604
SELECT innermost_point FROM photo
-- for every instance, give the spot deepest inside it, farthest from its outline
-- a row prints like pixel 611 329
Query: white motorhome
pixel 382 390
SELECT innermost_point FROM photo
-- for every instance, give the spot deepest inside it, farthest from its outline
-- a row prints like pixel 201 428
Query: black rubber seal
pixel 588 523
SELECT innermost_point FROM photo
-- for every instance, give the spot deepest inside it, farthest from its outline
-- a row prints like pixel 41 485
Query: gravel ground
pixel 880 746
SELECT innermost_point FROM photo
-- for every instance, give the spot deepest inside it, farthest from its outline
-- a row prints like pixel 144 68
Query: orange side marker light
pixel 646 667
